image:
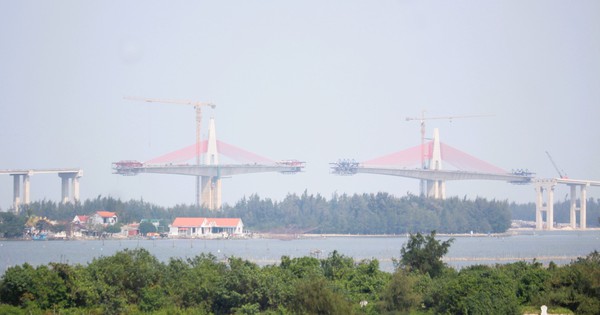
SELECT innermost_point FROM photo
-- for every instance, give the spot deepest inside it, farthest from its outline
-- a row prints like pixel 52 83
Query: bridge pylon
pixel 436 188
pixel 210 188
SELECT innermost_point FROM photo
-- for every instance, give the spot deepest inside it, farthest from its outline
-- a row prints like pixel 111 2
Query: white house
pixel 206 227
pixel 103 218
pixel 231 226
pixel 80 220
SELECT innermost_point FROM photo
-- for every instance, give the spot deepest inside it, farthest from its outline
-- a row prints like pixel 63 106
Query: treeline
pixel 561 211
pixel 379 213
pixel 135 282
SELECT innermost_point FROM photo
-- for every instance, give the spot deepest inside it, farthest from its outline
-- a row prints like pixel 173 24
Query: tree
pixel 147 227
pixel 475 290
pixel 315 296
pixel 424 254
pixel 11 225
pixel 111 229
pixel 400 294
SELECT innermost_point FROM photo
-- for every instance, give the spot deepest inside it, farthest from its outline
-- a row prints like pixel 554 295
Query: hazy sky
pixel 308 80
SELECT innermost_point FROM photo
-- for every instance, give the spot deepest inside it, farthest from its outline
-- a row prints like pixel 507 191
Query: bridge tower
pixel 210 188
pixel 436 188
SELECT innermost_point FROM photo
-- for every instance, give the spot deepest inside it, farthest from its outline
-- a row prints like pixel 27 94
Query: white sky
pixel 308 80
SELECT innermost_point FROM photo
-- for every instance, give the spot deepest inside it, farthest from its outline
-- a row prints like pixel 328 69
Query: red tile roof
pixel 188 222
pixel 196 222
pixel 106 214
pixel 82 218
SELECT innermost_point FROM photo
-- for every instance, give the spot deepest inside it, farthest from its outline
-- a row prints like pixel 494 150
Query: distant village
pixel 105 224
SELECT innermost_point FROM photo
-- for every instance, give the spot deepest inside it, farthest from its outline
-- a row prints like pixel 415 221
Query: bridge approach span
pixel 22 183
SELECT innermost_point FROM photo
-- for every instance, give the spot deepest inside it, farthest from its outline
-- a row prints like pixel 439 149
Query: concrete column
pixel 206 192
pixel 16 191
pixel 573 209
pixel 436 189
pixel 65 186
pixel 539 206
pixel 211 192
pixel 217 193
pixel 583 208
pixel 430 189
pixel 550 209
pixel 75 188
pixel 26 189
pixel 199 190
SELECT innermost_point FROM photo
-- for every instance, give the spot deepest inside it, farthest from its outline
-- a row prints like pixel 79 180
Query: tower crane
pixel 560 173
pixel 198 107
pixel 422 120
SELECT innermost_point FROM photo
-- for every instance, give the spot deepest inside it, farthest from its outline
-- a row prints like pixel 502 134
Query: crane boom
pixel 169 101
pixel 445 117
pixel 560 173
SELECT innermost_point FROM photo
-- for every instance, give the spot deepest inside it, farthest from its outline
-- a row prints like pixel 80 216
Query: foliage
pixel 424 254
pixel 11 225
pixel 147 227
pixel 475 290
pixel 135 282
pixel 401 293
pixel 379 213
pixel 112 229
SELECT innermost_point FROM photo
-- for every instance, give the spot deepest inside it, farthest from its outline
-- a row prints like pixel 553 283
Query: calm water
pixel 558 246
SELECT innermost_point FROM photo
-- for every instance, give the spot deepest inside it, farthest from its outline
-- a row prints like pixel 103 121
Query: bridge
pixel 210 171
pixel 433 178
pixel 547 186
pixel 21 179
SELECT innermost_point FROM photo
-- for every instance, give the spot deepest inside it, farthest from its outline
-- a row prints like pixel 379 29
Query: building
pixel 80 220
pixel 206 227
pixel 103 218
pixel 231 226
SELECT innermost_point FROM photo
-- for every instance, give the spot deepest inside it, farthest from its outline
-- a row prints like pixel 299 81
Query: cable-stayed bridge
pixel 209 170
pixel 429 158
pixel 433 153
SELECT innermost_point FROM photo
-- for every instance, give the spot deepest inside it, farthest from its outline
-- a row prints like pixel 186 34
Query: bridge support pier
pixel 211 192
pixel 73 178
pixel 436 189
pixel 16 191
pixel 582 207
pixel 548 206
pixel 18 197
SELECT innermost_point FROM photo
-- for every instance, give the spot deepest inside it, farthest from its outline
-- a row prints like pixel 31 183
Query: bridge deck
pixel 40 171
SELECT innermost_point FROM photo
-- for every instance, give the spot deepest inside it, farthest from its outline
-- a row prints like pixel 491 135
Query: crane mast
pixel 422 120
pixel 198 109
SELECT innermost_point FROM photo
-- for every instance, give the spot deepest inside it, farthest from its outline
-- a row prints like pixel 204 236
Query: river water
pixel 558 246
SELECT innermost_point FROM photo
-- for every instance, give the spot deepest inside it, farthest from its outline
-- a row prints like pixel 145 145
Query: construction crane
pixel 198 107
pixel 422 120
pixel 560 173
